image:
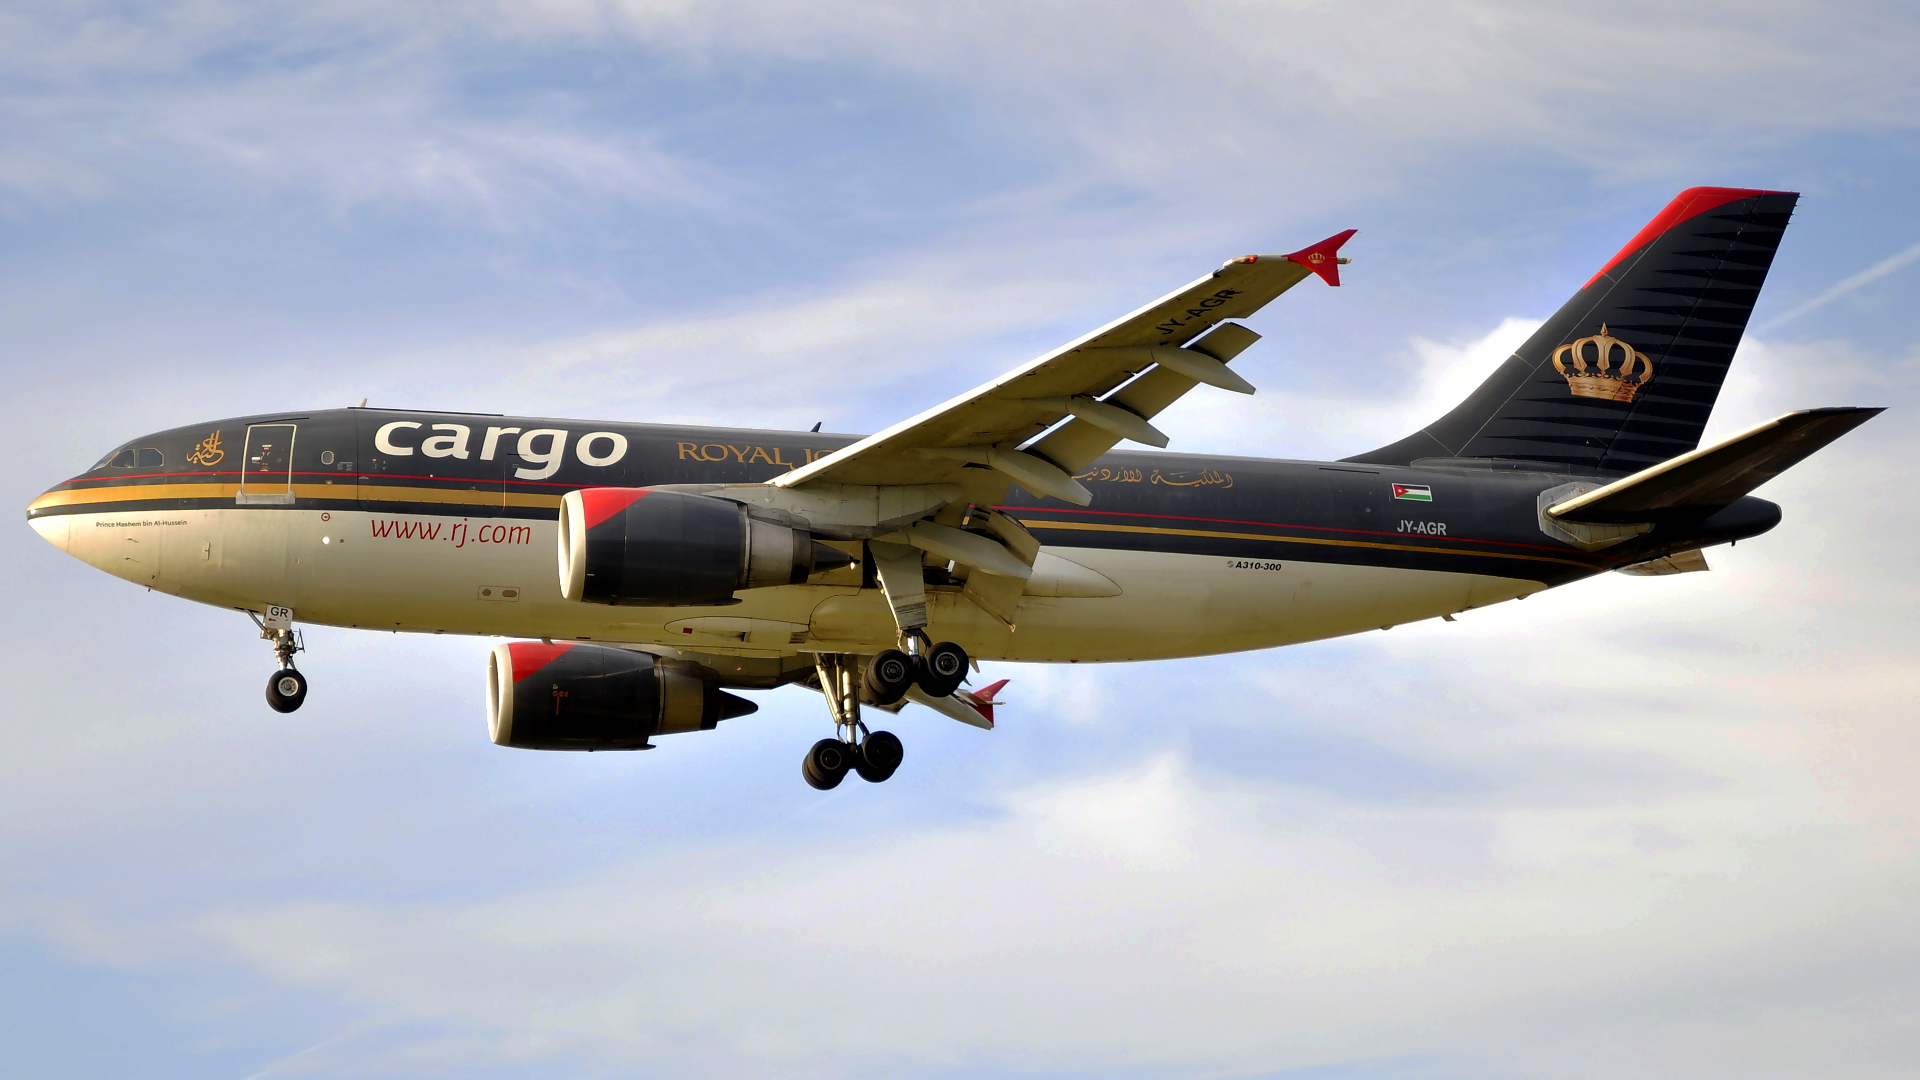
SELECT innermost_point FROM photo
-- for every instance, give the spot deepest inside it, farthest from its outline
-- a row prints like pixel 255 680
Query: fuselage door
pixel 266 470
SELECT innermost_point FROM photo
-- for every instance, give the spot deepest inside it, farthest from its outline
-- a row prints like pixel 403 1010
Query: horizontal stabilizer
pixel 974 708
pixel 1712 477
pixel 1691 561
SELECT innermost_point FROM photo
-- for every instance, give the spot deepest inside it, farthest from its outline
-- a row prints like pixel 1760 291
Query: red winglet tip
pixel 1323 258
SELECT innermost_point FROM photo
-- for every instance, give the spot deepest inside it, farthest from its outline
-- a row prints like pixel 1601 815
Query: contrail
pixel 1846 285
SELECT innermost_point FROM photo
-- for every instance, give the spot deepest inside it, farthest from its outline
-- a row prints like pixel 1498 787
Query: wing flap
pixel 1079 444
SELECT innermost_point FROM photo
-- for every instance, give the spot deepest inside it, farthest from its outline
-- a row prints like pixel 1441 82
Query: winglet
pixel 1323 258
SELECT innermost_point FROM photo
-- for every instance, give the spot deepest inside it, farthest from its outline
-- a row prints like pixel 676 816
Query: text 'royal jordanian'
pixel 654 568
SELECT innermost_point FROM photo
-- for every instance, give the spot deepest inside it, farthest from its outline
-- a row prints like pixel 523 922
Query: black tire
pixel 888 675
pixel 943 669
pixel 286 690
pixel 879 756
pixel 826 764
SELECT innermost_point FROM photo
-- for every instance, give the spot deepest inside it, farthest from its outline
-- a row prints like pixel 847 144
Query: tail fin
pixel 1626 372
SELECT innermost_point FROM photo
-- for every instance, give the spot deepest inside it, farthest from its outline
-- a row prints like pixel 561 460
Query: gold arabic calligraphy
pixel 1177 478
pixel 209 452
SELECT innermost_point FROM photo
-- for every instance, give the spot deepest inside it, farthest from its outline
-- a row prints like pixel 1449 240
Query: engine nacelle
pixel 594 697
pixel 651 548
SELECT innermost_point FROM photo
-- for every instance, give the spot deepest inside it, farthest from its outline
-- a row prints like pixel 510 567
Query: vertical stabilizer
pixel 1625 374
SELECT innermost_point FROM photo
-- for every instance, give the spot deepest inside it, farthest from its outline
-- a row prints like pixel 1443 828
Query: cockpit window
pixel 133 457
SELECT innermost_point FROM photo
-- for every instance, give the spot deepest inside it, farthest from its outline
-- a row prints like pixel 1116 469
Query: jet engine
pixel 652 548
pixel 593 697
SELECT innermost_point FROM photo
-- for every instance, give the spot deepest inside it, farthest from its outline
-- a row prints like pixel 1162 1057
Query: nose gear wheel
pixel 287 689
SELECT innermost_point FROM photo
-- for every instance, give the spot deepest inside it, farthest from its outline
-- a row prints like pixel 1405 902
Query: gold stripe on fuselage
pixel 370 494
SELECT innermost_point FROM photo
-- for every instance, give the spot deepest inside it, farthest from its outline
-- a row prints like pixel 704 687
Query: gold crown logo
pixel 1601 380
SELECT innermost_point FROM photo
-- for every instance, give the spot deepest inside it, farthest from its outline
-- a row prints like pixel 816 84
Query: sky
pixel 1651 827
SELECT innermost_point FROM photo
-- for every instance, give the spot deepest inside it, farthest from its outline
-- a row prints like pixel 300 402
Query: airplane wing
pixel 1108 385
pixel 935 477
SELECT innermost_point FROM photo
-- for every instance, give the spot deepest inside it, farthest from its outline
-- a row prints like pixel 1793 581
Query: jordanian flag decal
pixel 1413 492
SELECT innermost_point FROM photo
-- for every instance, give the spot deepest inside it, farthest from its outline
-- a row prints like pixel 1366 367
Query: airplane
pixel 649 569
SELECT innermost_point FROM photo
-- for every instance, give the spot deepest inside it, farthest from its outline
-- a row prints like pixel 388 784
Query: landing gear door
pixel 266 469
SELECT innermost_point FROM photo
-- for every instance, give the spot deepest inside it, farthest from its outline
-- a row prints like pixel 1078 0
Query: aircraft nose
pixel 52 527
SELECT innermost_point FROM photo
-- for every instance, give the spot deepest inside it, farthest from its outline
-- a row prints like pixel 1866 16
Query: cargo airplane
pixel 653 568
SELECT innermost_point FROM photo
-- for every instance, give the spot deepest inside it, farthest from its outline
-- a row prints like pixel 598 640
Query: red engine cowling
pixel 646 547
pixel 594 697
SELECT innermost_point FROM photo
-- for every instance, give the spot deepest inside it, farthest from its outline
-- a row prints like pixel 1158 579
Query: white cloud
pixel 1225 107
pixel 1286 418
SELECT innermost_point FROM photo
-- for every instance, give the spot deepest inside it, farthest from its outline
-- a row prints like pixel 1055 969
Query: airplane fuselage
pixel 446 523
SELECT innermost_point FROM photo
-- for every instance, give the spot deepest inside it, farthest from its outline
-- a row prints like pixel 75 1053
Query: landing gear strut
pixel 874 755
pixel 287 689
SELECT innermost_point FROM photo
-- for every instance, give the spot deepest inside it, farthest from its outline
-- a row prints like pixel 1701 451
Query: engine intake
pixel 652 548
pixel 593 697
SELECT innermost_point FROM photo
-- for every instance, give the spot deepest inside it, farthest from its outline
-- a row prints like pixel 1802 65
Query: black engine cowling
pixel 652 548
pixel 593 697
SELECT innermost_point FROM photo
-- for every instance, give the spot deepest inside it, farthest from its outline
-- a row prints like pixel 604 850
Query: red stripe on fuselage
pixel 1302 528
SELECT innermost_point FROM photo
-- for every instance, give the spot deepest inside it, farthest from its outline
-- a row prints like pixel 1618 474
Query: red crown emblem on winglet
pixel 1593 375
pixel 1323 258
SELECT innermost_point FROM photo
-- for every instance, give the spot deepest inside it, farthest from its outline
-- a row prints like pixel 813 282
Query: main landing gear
pixel 937 669
pixel 287 689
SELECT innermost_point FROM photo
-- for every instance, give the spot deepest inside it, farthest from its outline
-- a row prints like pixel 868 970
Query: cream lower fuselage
pixel 350 522
pixel 333 568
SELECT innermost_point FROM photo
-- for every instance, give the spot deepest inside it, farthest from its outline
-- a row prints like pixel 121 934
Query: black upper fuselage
pixel 1476 516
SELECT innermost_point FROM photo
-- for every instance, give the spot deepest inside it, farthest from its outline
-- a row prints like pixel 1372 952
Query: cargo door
pixel 266 468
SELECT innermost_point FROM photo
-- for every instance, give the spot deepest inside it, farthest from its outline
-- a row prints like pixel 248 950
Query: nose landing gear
pixel 287 689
